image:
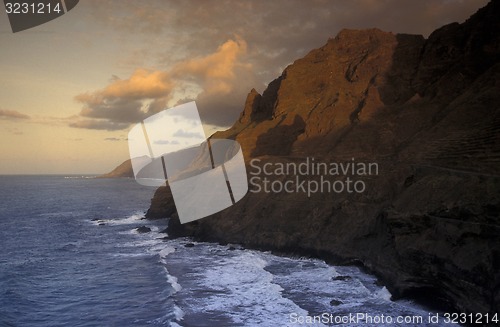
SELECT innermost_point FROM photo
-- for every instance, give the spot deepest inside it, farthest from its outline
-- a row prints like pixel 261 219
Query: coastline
pixel 426 111
pixel 408 269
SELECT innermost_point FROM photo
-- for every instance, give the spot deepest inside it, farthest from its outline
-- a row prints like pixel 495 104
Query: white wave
pixel 140 243
pixel 178 316
pixel 128 232
pixel 178 313
pixel 157 248
pixel 384 294
pixel 126 221
pixel 135 218
pixel 311 283
pixel 130 255
pixel 247 292
pixel 173 281
pixel 260 289
pixel 166 251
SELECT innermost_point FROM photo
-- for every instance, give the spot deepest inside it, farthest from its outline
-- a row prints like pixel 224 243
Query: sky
pixel 72 89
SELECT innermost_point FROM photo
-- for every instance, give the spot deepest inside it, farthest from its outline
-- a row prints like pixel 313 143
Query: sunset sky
pixel 71 89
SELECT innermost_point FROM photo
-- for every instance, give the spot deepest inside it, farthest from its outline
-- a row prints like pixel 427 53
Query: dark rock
pixel 342 278
pixel 335 302
pixel 251 108
pixel 189 245
pixel 231 248
pixel 176 229
pixel 102 224
pixel 143 229
pixel 162 204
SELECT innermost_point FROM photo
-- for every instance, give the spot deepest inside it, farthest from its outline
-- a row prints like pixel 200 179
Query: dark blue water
pixel 71 256
pixel 59 269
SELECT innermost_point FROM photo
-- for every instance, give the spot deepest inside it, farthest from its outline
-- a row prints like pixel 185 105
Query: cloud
pixel 99 125
pixel 12 114
pixel 142 84
pixel 216 58
pixel 146 92
pixel 189 135
pixel 277 31
pixel 122 101
pixel 114 139
pixel 116 110
pixel 217 66
pixel 164 142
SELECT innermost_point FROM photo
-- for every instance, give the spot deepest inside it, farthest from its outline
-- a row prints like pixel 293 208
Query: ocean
pixel 71 255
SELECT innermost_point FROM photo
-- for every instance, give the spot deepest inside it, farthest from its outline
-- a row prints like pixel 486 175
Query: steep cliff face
pixel 427 111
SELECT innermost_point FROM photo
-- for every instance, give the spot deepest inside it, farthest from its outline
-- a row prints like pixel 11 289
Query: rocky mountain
pixel 427 112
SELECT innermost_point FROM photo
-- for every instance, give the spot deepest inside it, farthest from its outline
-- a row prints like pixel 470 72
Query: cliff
pixel 427 112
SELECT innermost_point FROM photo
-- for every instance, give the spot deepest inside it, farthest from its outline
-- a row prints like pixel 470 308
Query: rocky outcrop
pixel 143 229
pixel 427 112
pixel 162 204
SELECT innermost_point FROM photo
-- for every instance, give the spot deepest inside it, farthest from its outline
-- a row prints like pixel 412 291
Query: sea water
pixel 70 255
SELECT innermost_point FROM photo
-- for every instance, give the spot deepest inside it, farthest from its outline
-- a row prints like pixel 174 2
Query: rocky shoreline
pixel 442 274
pixel 427 111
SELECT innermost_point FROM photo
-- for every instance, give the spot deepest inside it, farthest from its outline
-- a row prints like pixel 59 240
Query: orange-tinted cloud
pixel 122 101
pixel 146 92
pixel 98 124
pixel 219 65
pixel 12 114
pixel 142 84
